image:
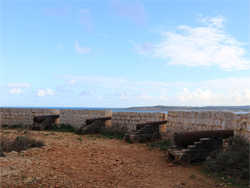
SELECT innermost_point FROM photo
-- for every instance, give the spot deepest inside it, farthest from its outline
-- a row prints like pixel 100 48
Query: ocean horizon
pixel 88 108
pixel 115 109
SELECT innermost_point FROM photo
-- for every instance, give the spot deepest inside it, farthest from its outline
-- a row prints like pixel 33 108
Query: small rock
pixel 28 180
pixel 13 153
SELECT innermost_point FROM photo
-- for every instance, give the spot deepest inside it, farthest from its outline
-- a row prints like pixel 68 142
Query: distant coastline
pixel 244 109
pixel 165 109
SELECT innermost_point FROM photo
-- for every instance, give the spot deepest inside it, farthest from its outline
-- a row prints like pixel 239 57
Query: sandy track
pixel 67 161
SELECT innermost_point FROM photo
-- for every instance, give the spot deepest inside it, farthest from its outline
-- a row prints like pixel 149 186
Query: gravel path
pixel 70 160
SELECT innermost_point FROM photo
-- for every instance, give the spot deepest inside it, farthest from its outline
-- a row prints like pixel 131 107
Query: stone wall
pixel 177 120
pixel 77 118
pixel 242 125
pixel 128 120
pixel 24 116
pixel 206 120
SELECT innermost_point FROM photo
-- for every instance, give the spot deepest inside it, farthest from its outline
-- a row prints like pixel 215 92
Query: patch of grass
pixel 192 176
pixel 1 153
pixel 232 163
pixel 228 180
pixel 80 139
pixel 152 144
pixel 6 132
pixel 113 135
pixel 25 132
pixel 63 128
pixel 166 144
pixel 23 176
pixel 90 136
pixel 18 144
pixel 163 145
pixel 16 126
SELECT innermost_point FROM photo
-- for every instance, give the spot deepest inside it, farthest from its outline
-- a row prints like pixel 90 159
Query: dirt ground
pixel 70 160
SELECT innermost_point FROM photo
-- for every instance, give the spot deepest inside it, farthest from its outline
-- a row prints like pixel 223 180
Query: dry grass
pixel 18 144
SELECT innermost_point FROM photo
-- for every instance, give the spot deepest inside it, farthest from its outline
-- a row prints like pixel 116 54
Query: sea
pixel 100 108
pixel 85 108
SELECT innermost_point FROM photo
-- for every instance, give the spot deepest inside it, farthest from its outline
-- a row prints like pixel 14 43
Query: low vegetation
pixel 113 135
pixel 18 144
pixel 15 126
pixel 63 128
pixel 233 163
pixel 115 132
pixel 163 145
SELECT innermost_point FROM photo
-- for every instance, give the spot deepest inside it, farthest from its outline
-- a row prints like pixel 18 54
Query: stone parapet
pixel 207 120
pixel 77 118
pixel 23 116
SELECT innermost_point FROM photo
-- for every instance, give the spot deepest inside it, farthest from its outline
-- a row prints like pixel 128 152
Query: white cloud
pixel 226 84
pixel 15 88
pixel 207 97
pixel 43 93
pixel 21 85
pixel 163 98
pixel 145 97
pixel 15 91
pixel 126 96
pixel 208 45
pixel 227 91
pixel 81 50
pixel 87 92
pixel 122 83
pixel 50 92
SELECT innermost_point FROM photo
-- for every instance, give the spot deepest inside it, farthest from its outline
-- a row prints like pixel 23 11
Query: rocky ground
pixel 70 160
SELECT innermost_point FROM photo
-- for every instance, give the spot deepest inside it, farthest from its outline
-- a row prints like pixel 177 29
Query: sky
pixel 124 53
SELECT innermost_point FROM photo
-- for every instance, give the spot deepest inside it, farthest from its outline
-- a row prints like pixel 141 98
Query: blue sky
pixel 124 53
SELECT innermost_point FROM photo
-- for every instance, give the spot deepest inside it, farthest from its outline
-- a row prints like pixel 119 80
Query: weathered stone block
pixel 217 122
pixel 227 124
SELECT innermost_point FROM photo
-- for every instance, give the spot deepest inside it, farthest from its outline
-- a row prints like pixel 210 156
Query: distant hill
pixel 190 108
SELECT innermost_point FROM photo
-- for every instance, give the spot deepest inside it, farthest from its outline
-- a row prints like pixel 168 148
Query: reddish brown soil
pixel 67 161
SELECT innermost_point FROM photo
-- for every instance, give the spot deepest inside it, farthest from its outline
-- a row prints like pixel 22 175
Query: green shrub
pixel 166 144
pixel 5 125
pixel 234 161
